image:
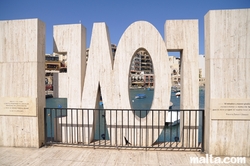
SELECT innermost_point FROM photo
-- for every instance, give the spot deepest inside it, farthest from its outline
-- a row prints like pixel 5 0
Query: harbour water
pixel 146 102
pixel 135 103
pixel 168 133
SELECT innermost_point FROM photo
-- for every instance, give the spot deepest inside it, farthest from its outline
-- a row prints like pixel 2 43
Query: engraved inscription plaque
pixel 230 109
pixel 20 106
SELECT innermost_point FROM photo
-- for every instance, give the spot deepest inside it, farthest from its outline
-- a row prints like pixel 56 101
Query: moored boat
pixel 170 105
pixel 140 96
pixel 178 94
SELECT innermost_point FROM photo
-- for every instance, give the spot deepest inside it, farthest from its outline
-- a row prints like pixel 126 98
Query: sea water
pixel 141 104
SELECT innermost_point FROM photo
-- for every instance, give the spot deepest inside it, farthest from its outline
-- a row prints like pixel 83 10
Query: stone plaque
pixel 21 106
pixel 230 109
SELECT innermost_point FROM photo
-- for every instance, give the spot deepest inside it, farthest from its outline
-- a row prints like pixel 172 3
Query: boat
pixel 176 122
pixel 176 90
pixel 140 96
pixel 170 105
pixel 173 118
pixel 178 94
pixel 48 96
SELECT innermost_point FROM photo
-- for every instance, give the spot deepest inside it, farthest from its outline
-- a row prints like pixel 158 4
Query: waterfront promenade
pixel 64 156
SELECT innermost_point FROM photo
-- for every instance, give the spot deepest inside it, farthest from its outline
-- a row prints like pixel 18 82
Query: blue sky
pixel 118 14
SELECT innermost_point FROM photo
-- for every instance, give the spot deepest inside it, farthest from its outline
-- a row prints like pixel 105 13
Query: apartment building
pixel 141 70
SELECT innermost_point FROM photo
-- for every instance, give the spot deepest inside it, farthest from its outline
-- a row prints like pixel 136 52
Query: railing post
pixel 203 131
pixel 83 128
pixel 116 138
pixel 171 116
pixel 146 133
pixel 50 115
pixel 45 127
pixel 55 125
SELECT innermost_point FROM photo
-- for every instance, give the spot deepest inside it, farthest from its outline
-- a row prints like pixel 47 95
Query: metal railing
pixel 118 128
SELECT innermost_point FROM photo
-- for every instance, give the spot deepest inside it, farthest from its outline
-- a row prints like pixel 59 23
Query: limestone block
pixel 182 35
pixel 17 131
pixel 15 41
pixel 22 75
pixel 140 34
pixel 60 85
pixel 71 40
pixel 99 76
pixel 99 69
pixel 227 55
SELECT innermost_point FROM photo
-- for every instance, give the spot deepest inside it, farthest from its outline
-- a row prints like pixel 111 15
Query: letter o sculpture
pixel 140 34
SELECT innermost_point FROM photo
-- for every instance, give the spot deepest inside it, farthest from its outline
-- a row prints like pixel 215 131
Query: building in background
pixel 141 70
pixel 174 63
pixel 54 63
pixel 201 70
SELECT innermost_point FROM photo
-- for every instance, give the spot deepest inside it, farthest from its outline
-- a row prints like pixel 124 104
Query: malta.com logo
pixel 209 159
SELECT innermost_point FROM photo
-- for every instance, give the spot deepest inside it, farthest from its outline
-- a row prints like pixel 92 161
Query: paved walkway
pixel 64 156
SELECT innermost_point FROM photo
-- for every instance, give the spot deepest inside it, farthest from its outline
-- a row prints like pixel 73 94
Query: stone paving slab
pixel 73 156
